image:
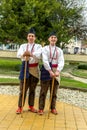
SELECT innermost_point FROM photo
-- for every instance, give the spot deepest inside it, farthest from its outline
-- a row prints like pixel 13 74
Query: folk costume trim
pixel 32 49
pixel 55 51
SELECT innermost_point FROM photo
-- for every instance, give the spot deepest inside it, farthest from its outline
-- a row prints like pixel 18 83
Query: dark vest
pixel 21 76
pixel 44 75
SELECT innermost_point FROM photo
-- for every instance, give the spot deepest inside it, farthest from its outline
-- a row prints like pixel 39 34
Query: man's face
pixel 52 39
pixel 31 38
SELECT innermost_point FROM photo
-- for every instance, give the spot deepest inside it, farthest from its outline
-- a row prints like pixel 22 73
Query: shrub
pixel 17 67
pixel 73 63
pixel 82 67
pixel 10 64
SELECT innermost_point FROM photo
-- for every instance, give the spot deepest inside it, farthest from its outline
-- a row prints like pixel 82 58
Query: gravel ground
pixel 75 97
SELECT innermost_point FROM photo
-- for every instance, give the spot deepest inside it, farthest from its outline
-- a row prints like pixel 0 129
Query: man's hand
pixel 57 73
pixel 51 73
pixel 26 53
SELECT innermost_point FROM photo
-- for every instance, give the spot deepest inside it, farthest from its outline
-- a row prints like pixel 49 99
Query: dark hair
pixel 52 33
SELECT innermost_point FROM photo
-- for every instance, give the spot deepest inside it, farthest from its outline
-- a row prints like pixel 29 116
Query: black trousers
pixel 43 92
pixel 31 84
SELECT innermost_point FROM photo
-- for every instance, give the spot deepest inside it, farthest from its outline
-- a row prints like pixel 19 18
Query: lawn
pixel 79 73
pixel 67 82
pixel 72 83
pixel 9 80
pixel 11 67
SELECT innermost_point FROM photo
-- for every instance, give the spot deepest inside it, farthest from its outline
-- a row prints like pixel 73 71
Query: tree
pixel 18 16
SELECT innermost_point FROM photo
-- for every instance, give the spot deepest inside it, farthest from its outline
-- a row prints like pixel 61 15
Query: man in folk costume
pixel 30 52
pixel 53 63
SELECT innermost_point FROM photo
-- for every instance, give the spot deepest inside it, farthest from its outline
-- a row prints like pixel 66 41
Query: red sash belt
pixel 54 65
pixel 33 65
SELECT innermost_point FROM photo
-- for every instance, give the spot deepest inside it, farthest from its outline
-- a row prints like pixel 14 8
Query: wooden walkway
pixel 69 117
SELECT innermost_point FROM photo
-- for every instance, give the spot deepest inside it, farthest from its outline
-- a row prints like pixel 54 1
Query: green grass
pixel 79 73
pixel 9 72
pixel 11 67
pixel 64 82
pixel 72 83
pixel 9 80
pixel 10 64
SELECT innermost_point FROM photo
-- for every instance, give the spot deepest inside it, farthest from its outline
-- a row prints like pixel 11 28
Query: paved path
pixel 7 76
pixel 69 117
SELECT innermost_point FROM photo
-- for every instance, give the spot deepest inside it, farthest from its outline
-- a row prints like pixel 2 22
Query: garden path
pixel 66 74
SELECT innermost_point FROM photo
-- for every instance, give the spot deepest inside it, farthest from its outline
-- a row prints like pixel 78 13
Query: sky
pixel 85 12
pixel 83 3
